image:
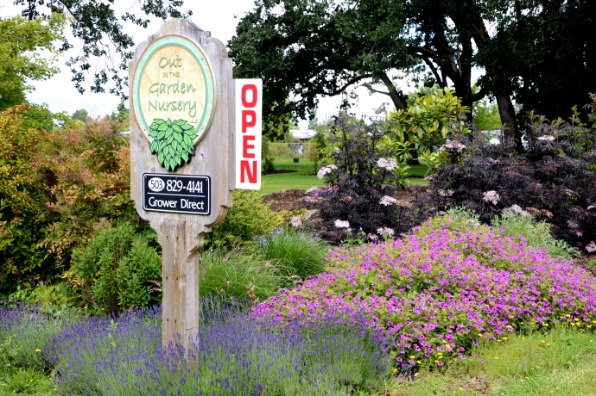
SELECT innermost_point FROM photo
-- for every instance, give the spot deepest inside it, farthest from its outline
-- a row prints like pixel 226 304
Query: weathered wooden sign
pixel 182 121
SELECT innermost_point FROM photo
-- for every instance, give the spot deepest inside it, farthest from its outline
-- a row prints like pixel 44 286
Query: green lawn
pixel 304 176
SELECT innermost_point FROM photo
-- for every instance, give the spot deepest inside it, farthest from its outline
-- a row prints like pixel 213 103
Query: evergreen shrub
pixel 117 270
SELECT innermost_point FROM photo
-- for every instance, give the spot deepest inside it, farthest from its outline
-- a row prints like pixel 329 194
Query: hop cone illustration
pixel 172 142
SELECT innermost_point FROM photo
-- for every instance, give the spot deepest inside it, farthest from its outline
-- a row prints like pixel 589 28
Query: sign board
pixel 248 133
pixel 182 124
pixel 176 193
pixel 174 98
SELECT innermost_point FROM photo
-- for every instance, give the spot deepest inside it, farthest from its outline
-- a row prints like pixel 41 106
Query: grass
pixel 304 176
pixel 560 362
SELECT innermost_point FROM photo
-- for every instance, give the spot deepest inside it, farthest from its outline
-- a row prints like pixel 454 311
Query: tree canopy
pixel 528 49
pixel 24 49
pixel 104 40
pixel 319 47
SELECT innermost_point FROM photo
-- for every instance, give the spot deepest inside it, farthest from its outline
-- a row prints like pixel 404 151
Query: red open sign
pixel 248 134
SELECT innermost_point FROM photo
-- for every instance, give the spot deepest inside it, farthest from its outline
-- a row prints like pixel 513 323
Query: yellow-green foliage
pixel 425 125
pixel 22 197
pixel 24 49
pixel 247 218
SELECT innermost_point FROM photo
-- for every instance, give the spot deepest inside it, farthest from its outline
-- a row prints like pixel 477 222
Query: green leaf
pixel 175 145
pixel 178 137
pixel 177 128
pixel 154 146
pixel 187 127
pixel 162 144
pixel 163 127
pixel 161 157
pixel 188 140
pixel 161 135
pixel 185 157
pixel 172 164
pixel 180 122
pixel 178 160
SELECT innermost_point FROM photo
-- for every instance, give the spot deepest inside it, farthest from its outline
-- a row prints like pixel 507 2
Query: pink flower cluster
pixel 438 291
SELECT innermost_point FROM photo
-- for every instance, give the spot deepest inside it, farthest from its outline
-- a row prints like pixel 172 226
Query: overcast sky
pixel 218 17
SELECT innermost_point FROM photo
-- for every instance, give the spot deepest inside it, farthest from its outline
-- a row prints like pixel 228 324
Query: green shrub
pixel 238 273
pixel 23 197
pixel 248 217
pixel 114 272
pixel 537 233
pixel 296 254
pixel 87 171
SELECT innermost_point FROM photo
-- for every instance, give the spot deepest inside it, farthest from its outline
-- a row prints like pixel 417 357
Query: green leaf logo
pixel 172 142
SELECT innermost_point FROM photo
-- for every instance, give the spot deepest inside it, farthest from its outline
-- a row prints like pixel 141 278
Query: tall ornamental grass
pixel 433 295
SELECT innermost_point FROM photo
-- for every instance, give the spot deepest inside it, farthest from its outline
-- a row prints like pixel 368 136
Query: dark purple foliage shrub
pixel 359 177
pixel 554 180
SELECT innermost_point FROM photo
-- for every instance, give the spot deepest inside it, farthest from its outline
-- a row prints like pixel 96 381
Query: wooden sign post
pixel 182 118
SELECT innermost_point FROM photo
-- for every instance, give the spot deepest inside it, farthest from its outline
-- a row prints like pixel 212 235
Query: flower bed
pixel 440 290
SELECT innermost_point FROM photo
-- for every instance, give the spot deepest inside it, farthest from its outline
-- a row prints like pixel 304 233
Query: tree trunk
pixel 397 97
pixel 507 113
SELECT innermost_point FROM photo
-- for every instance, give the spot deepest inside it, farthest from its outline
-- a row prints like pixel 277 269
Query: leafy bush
pixel 86 168
pixel 555 180
pixel 537 233
pixel 247 217
pixel 361 180
pixel 294 253
pixel 22 203
pixel 518 223
pixel 115 271
pixel 238 273
pixel 426 124
pixel 436 293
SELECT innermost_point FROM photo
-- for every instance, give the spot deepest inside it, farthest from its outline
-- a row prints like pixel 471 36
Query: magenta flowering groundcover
pixel 438 291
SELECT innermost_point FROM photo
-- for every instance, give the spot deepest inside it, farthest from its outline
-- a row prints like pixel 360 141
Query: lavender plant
pixel 123 355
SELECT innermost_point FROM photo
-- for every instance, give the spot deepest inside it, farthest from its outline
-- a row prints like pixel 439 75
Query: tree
pixel 95 23
pixel 537 52
pixel 553 67
pixel 319 47
pixel 21 59
pixel 80 115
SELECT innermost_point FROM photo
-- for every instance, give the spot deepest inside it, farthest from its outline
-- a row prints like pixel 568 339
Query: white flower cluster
pixel 342 224
pixel 452 145
pixel 546 138
pixel 591 247
pixel 296 221
pixel 491 196
pixel 445 193
pixel 385 231
pixel 387 200
pixel 516 209
pixel 388 164
pixel 326 170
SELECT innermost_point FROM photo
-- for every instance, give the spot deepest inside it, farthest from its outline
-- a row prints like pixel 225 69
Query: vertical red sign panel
pixel 248 133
